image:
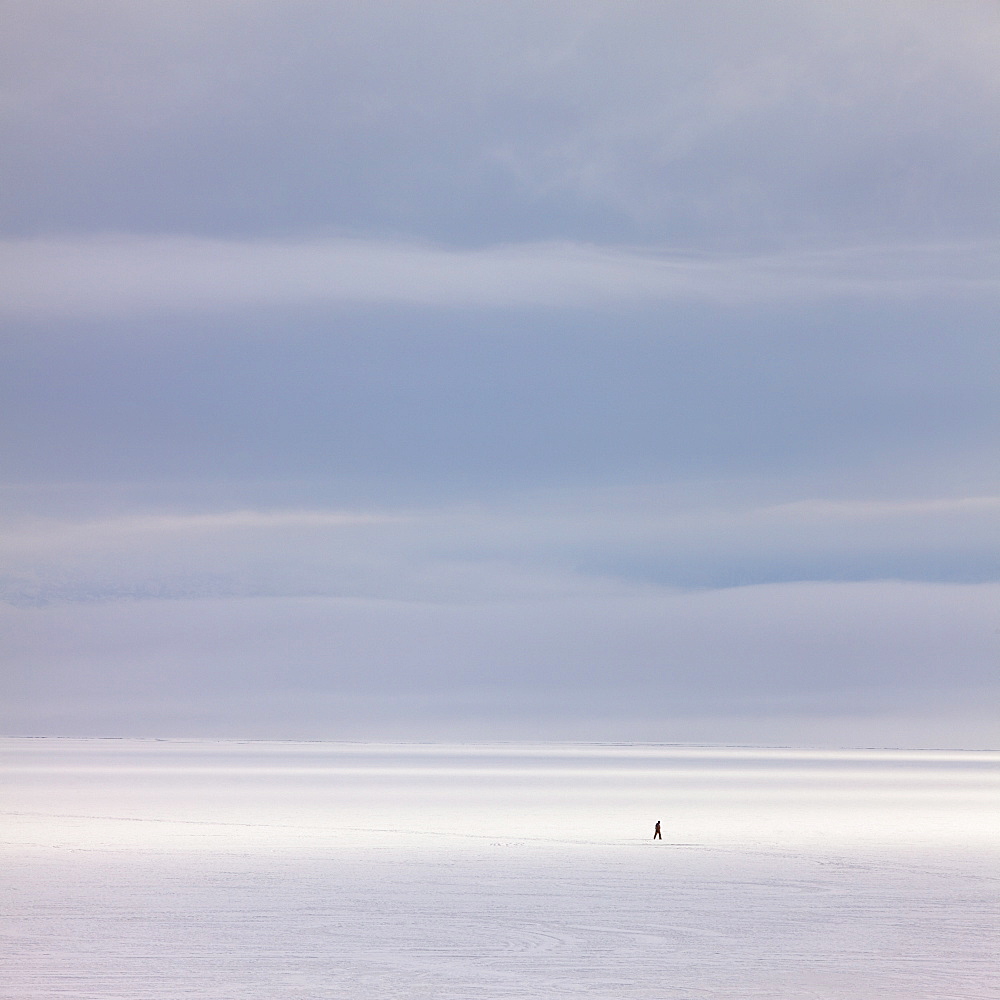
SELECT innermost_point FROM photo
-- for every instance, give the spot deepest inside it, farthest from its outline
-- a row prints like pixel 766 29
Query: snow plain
pixel 221 870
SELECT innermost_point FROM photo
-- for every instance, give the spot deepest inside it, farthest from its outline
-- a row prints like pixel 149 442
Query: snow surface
pixel 205 869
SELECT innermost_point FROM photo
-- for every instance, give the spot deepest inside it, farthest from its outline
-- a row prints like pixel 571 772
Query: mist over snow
pixel 498 371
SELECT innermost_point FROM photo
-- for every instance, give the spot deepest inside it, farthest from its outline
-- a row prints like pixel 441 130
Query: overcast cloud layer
pixel 592 370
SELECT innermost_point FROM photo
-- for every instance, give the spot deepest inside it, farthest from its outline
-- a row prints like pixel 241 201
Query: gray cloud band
pixel 123 274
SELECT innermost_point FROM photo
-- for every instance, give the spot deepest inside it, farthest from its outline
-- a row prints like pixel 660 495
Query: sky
pixel 422 371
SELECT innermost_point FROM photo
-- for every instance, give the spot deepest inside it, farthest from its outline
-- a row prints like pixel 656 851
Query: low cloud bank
pixel 588 661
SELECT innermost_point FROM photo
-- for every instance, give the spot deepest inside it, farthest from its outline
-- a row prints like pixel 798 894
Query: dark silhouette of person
pixel 656 832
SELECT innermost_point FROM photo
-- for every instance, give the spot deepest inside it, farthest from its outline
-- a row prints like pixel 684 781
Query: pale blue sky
pixel 590 370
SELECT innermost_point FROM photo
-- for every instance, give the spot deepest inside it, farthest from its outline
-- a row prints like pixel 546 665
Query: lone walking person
pixel 656 832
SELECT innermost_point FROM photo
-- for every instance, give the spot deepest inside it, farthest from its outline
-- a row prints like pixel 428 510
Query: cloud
pixel 302 278
pixel 107 276
pixel 373 667
pixel 723 124
pixel 94 533
pixel 540 548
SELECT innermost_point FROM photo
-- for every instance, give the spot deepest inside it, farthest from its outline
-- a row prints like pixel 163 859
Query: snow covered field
pixel 202 869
